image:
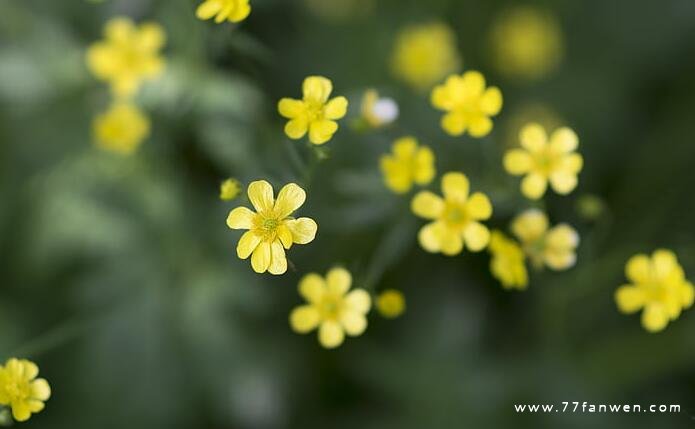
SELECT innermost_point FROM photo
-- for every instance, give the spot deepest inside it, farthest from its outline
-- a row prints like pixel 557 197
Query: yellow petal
pixel 285 235
pixel 533 186
pixel 240 13
pixel 562 182
pixel 303 229
pixel 455 187
pixel 331 334
pixel 151 36
pixel 21 411
pixel 473 83
pixel 687 294
pixel 358 300
pixel 479 207
pixel 629 299
pixel 119 29
pixel 312 287
pixel 530 225
pixel 354 323
pixel 291 108
pixel 654 318
pixel 260 258
pixel 564 140
pixel 208 9
pixel 240 218
pixel 441 99
pixel 290 198
pixel 336 108
pixel 451 242
pixel 40 389
pixel 477 236
pixel 317 89
pixel 424 170
pixel 396 174
pixel 261 196
pixel 322 131
pixel 29 369
pixel 278 261
pixel 429 237
pixel 427 205
pixel 562 237
pixel 517 162
pixel 480 126
pixel 572 163
pixel 404 148
pixel 559 259
pixel 338 280
pixel 491 102
pixel 533 137
pixel 247 244
pixel 454 123
pixel 296 128
pixel 638 269
pixel 663 263
pixel 304 319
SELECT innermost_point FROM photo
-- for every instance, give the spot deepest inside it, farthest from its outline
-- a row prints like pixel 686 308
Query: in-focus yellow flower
pixel 271 230
pixel 455 218
pixel 542 161
pixel 121 129
pixel 390 303
pixel 378 111
pixel 469 105
pixel 657 285
pixel 224 10
pixel 128 55
pixel 554 247
pixel 409 164
pixel 424 54
pixel 508 262
pixel 230 189
pixel 21 390
pixel 315 113
pixel 331 308
pixel 526 42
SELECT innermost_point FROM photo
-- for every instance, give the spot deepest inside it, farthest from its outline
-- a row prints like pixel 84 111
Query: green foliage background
pixel 119 277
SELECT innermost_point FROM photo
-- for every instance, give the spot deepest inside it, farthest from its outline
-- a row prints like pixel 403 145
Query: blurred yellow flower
pixel 271 230
pixel 409 164
pixel 224 10
pixel 657 285
pixel 21 390
pixel 508 262
pixel 525 113
pixel 424 54
pixel 469 105
pixel 455 217
pixel 121 129
pixel 230 189
pixel 128 55
pixel 378 111
pixel 526 42
pixel 315 113
pixel 554 247
pixel 390 303
pixel 331 308
pixel 542 161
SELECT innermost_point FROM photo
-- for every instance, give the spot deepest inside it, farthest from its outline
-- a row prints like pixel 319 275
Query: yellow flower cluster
pixel 331 308
pixel 508 262
pixel 658 286
pixel 552 247
pixel 224 10
pixel 468 103
pixel 424 54
pixel 408 165
pixel 21 390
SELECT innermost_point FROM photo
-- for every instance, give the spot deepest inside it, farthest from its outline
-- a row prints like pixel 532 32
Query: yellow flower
pixel 128 55
pixel 657 285
pixel 542 161
pixel 230 189
pixel 121 129
pixel 331 308
pixel 409 164
pixel 21 390
pixel 455 217
pixel 390 303
pixel 315 113
pixel 424 54
pixel 378 111
pixel 469 105
pixel 507 264
pixel 526 42
pixel 271 230
pixel 224 10
pixel 554 247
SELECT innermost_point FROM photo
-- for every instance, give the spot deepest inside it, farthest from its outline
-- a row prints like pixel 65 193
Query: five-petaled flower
pixel 657 285
pixel 224 10
pixel 508 262
pixel 554 247
pixel 469 105
pixel 315 113
pixel 128 55
pixel 455 218
pixel 409 164
pixel 21 390
pixel 271 230
pixel 542 160
pixel 121 129
pixel 331 308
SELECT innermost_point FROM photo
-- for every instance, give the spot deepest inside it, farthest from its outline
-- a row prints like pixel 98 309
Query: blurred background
pixel 119 277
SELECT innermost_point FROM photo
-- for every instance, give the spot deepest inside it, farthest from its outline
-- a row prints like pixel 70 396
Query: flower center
pixel 17 390
pixel 267 227
pixel 314 111
pixel 456 215
pixel 330 307
pixel 546 162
